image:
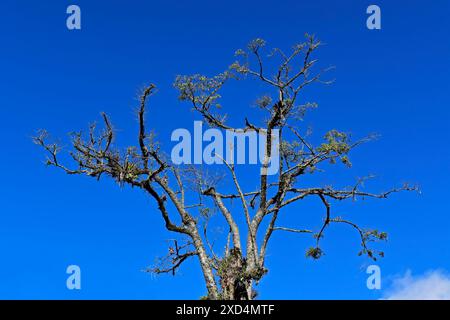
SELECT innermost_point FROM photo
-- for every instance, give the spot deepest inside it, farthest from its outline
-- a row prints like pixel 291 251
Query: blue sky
pixel 392 81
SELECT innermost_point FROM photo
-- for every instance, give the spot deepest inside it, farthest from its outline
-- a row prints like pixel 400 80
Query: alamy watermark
pixel 374 20
pixel 374 280
pixel 236 146
pixel 73 281
pixel 73 21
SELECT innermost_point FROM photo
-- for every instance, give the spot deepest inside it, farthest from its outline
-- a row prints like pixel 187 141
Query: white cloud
pixel 433 285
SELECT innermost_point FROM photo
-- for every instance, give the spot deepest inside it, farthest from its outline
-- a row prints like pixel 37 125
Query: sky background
pixel 392 81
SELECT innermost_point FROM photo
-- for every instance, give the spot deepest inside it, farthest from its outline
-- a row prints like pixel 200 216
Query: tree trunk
pixel 234 280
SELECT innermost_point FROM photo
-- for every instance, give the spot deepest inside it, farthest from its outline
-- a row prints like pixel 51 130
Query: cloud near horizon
pixel 433 285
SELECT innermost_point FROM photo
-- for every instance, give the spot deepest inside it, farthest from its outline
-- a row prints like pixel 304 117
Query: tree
pixel 233 273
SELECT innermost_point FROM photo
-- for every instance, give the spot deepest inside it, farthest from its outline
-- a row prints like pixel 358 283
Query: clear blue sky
pixel 393 81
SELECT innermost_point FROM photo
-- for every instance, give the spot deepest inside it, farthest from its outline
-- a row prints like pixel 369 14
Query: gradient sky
pixel 392 81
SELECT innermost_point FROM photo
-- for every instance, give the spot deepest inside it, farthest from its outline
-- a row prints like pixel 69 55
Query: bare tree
pixel 232 273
